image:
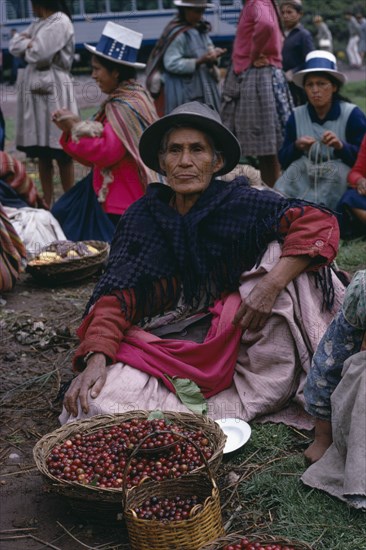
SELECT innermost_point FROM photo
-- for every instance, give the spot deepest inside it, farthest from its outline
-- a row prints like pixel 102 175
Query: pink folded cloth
pixel 210 364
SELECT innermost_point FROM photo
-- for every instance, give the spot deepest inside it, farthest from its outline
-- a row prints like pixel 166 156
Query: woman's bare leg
pixel 323 440
pixel 66 169
pixel 45 166
pixel 360 214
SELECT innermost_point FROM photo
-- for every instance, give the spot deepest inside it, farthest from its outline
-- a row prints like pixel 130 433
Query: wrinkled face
pixel 319 90
pixel 193 15
pixel 106 80
pixel 290 16
pixel 189 161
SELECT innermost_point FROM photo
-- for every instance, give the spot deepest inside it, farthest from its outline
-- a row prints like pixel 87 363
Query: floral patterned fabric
pixel 342 339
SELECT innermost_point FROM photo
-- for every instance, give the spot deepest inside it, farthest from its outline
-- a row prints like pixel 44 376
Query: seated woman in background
pixel 335 395
pixel 24 207
pixel 12 253
pixel 109 144
pixel 179 256
pixel 322 138
pixel 352 206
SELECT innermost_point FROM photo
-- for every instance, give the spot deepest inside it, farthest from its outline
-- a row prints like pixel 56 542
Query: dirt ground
pixel 36 343
pixel 37 340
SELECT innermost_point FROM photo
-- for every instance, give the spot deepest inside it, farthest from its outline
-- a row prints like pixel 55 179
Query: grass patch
pixel 275 502
pixel 352 256
pixel 355 91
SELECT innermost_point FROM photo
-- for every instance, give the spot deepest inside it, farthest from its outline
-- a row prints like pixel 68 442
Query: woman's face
pixel 189 162
pixel 319 91
pixel 193 15
pixel 290 16
pixel 106 80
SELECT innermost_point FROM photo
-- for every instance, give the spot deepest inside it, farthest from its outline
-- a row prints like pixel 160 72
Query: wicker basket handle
pixel 137 449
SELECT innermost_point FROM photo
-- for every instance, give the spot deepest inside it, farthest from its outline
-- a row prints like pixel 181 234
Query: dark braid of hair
pixel 53 5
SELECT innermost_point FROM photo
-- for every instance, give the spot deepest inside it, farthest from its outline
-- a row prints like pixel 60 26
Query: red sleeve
pixel 101 331
pixel 103 328
pixel 359 170
pixel 314 233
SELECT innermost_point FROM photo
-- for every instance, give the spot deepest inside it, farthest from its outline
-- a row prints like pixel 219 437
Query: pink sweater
pixel 107 151
pixel 258 33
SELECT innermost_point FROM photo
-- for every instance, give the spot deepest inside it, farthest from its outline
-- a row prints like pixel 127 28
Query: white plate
pixel 237 432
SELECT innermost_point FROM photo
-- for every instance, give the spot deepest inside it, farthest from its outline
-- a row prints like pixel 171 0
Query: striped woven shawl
pixel 12 252
pixel 129 110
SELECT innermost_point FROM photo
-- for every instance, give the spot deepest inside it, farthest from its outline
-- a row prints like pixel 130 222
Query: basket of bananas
pixel 63 262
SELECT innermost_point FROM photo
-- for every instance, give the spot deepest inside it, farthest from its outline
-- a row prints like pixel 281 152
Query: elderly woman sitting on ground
pixel 179 256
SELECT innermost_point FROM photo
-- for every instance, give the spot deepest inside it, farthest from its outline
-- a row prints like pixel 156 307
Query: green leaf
pixel 158 415
pixel 190 394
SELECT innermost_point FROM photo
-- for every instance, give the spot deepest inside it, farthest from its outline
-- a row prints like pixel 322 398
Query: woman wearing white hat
pixel 183 65
pixel 110 143
pixel 323 137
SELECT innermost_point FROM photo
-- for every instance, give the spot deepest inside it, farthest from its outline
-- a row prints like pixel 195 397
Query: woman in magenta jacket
pixel 109 143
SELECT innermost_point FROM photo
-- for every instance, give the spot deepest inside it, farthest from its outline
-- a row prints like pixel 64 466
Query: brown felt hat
pixel 200 117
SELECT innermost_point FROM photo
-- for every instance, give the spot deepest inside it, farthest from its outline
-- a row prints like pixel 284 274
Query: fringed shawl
pixel 155 62
pixel 130 110
pixel 225 233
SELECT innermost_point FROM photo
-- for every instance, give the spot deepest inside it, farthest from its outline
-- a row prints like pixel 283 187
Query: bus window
pixel 226 2
pixel 17 9
pixel 167 4
pixel 74 6
pixel 147 5
pixel 95 6
pixel 121 5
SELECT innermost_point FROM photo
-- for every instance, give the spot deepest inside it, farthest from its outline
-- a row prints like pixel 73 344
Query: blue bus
pixel 148 17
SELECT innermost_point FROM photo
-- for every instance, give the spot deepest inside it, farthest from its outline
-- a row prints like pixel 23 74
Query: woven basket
pixel 235 538
pixel 204 524
pixel 68 271
pixel 85 498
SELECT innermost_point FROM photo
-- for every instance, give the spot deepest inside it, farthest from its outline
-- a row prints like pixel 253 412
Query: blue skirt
pixel 349 225
pixel 80 214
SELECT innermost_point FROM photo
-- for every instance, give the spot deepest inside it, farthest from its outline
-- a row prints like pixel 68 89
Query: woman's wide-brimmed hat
pixel 319 61
pixel 118 44
pixel 193 4
pixel 190 115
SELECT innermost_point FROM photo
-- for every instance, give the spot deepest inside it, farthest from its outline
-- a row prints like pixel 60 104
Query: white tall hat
pixel 118 44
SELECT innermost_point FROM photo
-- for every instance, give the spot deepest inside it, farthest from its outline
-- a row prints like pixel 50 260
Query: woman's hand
pixel 94 376
pixel 210 57
pixel 261 61
pixel 304 143
pixel 65 119
pixel 332 140
pixel 256 308
pixel 361 186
